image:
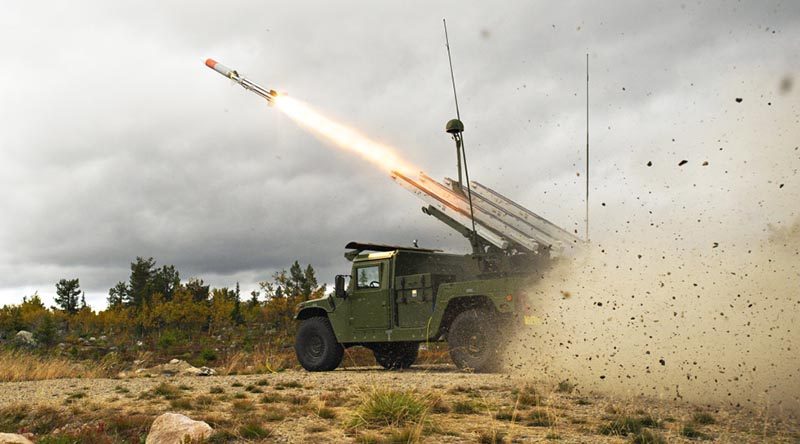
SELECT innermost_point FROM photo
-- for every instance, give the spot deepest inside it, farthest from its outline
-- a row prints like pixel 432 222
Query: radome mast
pixel 456 128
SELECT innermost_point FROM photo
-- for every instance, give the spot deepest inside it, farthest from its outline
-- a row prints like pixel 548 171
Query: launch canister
pixel 246 84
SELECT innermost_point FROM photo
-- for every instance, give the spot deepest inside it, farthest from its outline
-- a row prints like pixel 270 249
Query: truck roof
pixel 357 247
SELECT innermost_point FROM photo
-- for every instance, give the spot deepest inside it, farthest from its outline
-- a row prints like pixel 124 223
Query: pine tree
pixel 67 292
pixel 297 280
pixel 165 280
pixel 236 313
pixel 253 302
pixel 200 292
pixel 140 285
pixel 117 295
pixel 83 300
pixel 46 331
pixel 309 282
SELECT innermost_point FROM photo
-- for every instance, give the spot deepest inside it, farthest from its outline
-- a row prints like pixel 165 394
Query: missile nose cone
pixel 211 63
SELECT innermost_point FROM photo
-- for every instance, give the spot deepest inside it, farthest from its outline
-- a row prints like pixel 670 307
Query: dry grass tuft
pixel 391 408
pixel 269 358
pixel 17 365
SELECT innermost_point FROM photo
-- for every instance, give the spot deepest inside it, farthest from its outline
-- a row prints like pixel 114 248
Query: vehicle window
pixel 369 277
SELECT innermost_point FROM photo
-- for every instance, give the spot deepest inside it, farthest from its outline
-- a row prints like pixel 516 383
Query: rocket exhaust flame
pixel 342 136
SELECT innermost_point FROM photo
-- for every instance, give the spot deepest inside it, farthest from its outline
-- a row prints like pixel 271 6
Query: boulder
pixel 173 428
pixel 13 438
pixel 25 337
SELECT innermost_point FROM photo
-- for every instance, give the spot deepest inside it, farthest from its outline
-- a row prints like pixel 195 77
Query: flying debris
pixel 232 74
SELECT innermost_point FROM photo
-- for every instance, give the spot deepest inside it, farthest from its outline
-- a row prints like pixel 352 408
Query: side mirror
pixel 339 290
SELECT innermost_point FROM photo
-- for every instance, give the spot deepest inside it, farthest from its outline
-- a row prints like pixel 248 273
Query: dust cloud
pixel 693 291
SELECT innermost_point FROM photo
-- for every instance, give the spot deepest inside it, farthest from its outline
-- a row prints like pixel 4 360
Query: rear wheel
pixel 316 346
pixel 474 340
pixel 396 355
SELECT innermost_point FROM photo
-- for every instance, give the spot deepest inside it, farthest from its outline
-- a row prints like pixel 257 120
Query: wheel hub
pixel 315 346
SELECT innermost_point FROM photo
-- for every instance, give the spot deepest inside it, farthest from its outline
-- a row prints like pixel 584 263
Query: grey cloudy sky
pixel 117 142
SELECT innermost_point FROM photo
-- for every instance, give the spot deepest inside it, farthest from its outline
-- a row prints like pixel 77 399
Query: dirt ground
pixel 297 407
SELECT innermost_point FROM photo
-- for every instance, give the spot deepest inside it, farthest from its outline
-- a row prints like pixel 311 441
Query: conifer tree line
pixel 154 300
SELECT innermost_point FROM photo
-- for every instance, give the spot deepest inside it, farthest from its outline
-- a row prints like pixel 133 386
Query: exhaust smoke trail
pixel 342 136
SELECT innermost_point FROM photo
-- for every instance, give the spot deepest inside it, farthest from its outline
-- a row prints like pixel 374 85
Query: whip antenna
pixel 456 129
pixel 587 147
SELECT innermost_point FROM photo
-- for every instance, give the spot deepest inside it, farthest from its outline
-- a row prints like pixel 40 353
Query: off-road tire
pixel 396 355
pixel 474 340
pixel 316 346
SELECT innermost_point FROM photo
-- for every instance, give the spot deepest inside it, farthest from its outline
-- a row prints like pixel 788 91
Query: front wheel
pixel 392 356
pixel 316 346
pixel 473 339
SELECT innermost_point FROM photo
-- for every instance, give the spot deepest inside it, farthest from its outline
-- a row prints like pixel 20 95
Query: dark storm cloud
pixel 117 142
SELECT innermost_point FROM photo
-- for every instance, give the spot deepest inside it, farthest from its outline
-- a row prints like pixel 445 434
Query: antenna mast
pixel 456 129
pixel 587 147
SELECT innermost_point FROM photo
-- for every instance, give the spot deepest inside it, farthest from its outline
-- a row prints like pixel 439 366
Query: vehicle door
pixel 369 300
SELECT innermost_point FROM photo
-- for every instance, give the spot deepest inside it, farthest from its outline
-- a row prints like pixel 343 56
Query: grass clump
pixel 464 407
pixel 703 418
pixel 271 398
pixel 37 419
pixel 253 430
pixel 262 382
pixel 492 437
pixel 691 432
pixel 628 425
pixel 275 415
pixel 528 396
pixel 166 390
pixel 204 401
pixel 540 418
pixel 565 387
pixel 20 365
pixel 253 389
pixel 646 436
pixel 289 384
pixel 216 390
pixel 326 413
pixel 391 408
pixel 242 406
pixel 181 404
pixel 504 415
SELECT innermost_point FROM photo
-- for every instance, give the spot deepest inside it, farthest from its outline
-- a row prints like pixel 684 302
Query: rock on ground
pixel 25 337
pixel 176 367
pixel 13 438
pixel 173 428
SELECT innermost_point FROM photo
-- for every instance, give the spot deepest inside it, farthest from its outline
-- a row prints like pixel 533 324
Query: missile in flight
pixel 246 84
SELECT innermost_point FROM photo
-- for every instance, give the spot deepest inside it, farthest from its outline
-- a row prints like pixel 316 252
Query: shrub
pixel 208 355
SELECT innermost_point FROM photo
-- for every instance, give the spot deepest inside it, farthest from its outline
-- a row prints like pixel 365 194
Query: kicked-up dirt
pixel 360 405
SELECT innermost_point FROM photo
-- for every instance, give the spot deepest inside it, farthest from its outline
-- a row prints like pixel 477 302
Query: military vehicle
pixel 399 297
pixel 396 298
